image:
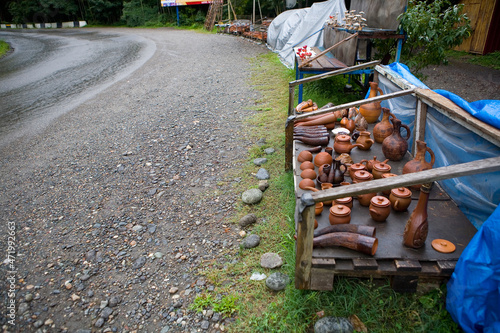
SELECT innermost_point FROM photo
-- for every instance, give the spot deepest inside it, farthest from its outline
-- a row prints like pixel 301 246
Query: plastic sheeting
pixel 298 27
pixel 473 297
pixel 477 195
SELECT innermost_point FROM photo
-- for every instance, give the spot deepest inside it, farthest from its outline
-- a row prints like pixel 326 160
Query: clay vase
pixel 395 146
pixel 387 175
pixel 308 173
pixel 305 156
pixel 322 158
pixel 380 208
pixel 343 144
pixel 419 163
pixel 417 227
pixel 371 111
pixel 370 163
pixel 356 167
pixel 339 214
pixel 384 128
pixel 365 140
pixel 400 199
pixel 379 169
pixel 323 173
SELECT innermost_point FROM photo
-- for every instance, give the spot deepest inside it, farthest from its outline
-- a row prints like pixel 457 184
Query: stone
pixel 99 322
pixel 277 281
pixel 151 228
pixel 269 151
pixel 173 290
pixel 261 142
pixel 104 304
pixel 205 324
pixel 263 185
pixel 139 262
pixel 262 174
pixel 23 307
pixel 247 220
pixel 252 196
pixel 158 255
pixel 114 301
pixel 271 260
pixel 82 330
pixel 48 322
pixel 165 329
pixel 333 325
pixel 106 312
pixel 251 241
pixel 137 228
pixel 38 323
pixel 75 297
pixel 28 297
pixel 260 161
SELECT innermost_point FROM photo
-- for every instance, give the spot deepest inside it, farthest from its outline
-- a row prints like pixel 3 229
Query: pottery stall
pixel 383 214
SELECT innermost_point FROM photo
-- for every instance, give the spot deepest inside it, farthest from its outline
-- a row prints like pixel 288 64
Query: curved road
pixel 50 72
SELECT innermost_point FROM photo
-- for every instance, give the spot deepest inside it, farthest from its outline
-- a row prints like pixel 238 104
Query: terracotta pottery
pixel 321 168
pixel 419 163
pixel 369 163
pixel 329 150
pixel 387 175
pixel 350 125
pixel 343 144
pixel 355 135
pixel 308 173
pixel 339 214
pixel 443 245
pixel 379 169
pixel 395 146
pixel 325 186
pixel 305 156
pixel 365 140
pixel 365 199
pixel 306 165
pixel 380 208
pixel 356 167
pixel 315 224
pixel 357 242
pixel 318 208
pixel 384 128
pixel 361 123
pixel 344 158
pixel 322 158
pixel 400 199
pixel 347 201
pixel 343 122
pixel 362 176
pixel 336 175
pixel 306 183
pixel 417 227
pixel 371 111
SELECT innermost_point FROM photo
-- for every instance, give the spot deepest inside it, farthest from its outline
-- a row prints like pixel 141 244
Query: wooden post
pixel 291 99
pixel 289 143
pixel 420 119
pixel 305 234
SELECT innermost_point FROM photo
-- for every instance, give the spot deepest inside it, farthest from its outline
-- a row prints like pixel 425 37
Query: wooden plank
pixel 378 185
pixel 328 50
pixel 454 112
pixel 289 144
pixel 365 264
pixel 303 258
pixel 408 265
pixel 394 78
pixel 321 279
pixel 323 262
pixel 336 63
pixel 446 266
pixel 420 120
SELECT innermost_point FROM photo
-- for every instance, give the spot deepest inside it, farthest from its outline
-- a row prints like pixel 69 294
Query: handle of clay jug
pixel 380 91
pixel 432 155
pixel 408 133
pixel 345 166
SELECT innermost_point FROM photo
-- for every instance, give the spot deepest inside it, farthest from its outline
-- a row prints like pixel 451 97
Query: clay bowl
pixel 305 156
pixel 307 165
pixel 305 183
pixel 323 158
pixel 308 173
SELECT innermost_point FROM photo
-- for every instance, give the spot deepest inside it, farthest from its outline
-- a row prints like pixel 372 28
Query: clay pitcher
pixel 384 128
pixel 371 111
pixel 343 144
pixel 419 163
pixel 395 146
pixel 338 174
pixel 417 227
pixel 365 140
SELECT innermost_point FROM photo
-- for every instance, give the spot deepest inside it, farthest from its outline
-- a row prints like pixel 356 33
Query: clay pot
pixel 417 227
pixel 355 135
pixel 365 140
pixel 362 176
pixel 395 146
pixel 306 165
pixel 419 163
pixel 315 224
pixel 379 169
pixel 308 173
pixel 369 163
pixel 304 183
pixel 387 175
pixel 336 175
pixel 339 214
pixel 318 208
pixel 371 111
pixel 343 144
pixel 305 156
pixel 347 201
pixel 380 208
pixel 323 158
pixel 384 128
pixel 356 167
pixel 364 199
pixel 400 199
pixel 325 186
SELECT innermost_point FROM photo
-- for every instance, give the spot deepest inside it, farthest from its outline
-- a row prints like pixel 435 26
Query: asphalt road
pixel 52 71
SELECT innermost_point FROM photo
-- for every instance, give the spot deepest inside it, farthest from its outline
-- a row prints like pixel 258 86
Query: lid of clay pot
pixel 363 175
pixel 343 201
pixel 340 210
pixel 443 246
pixel 382 167
pixel 380 201
pixel 387 175
pixel 401 192
pixel 343 137
pixel 306 183
pixel 322 158
pixel 358 166
pixel 340 130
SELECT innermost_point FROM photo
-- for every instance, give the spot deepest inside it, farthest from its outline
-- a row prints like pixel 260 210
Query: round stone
pixel 333 325
pixel 252 196
pixel 277 281
pixel 247 220
pixel 260 161
pixel 251 241
pixel 269 151
pixel 262 174
pixel 271 260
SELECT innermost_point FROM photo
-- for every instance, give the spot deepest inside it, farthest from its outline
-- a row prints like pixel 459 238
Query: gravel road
pixel 117 203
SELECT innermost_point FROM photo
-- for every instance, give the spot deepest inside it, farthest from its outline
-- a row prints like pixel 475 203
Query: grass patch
pixel 491 60
pixel 4 48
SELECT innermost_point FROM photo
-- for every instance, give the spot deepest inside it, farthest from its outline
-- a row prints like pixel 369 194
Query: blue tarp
pixel 473 297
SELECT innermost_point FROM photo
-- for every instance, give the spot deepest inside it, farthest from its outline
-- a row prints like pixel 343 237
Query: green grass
pixel 491 60
pixel 4 48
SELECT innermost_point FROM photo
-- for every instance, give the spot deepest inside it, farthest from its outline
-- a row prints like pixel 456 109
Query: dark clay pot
pixel 395 146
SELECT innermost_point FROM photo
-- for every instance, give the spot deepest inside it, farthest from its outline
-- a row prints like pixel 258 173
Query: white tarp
pixel 299 27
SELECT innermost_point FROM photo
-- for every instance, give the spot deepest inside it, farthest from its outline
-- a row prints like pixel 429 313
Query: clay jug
pixel 343 144
pixel 419 163
pixel 365 140
pixel 338 174
pixel 384 128
pixel 416 228
pixel 395 146
pixel 371 111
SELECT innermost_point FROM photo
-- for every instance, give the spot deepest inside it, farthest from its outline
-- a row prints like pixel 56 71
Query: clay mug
pixel 339 214
pixel 318 208
pixel 380 208
pixel 379 169
pixel 400 199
